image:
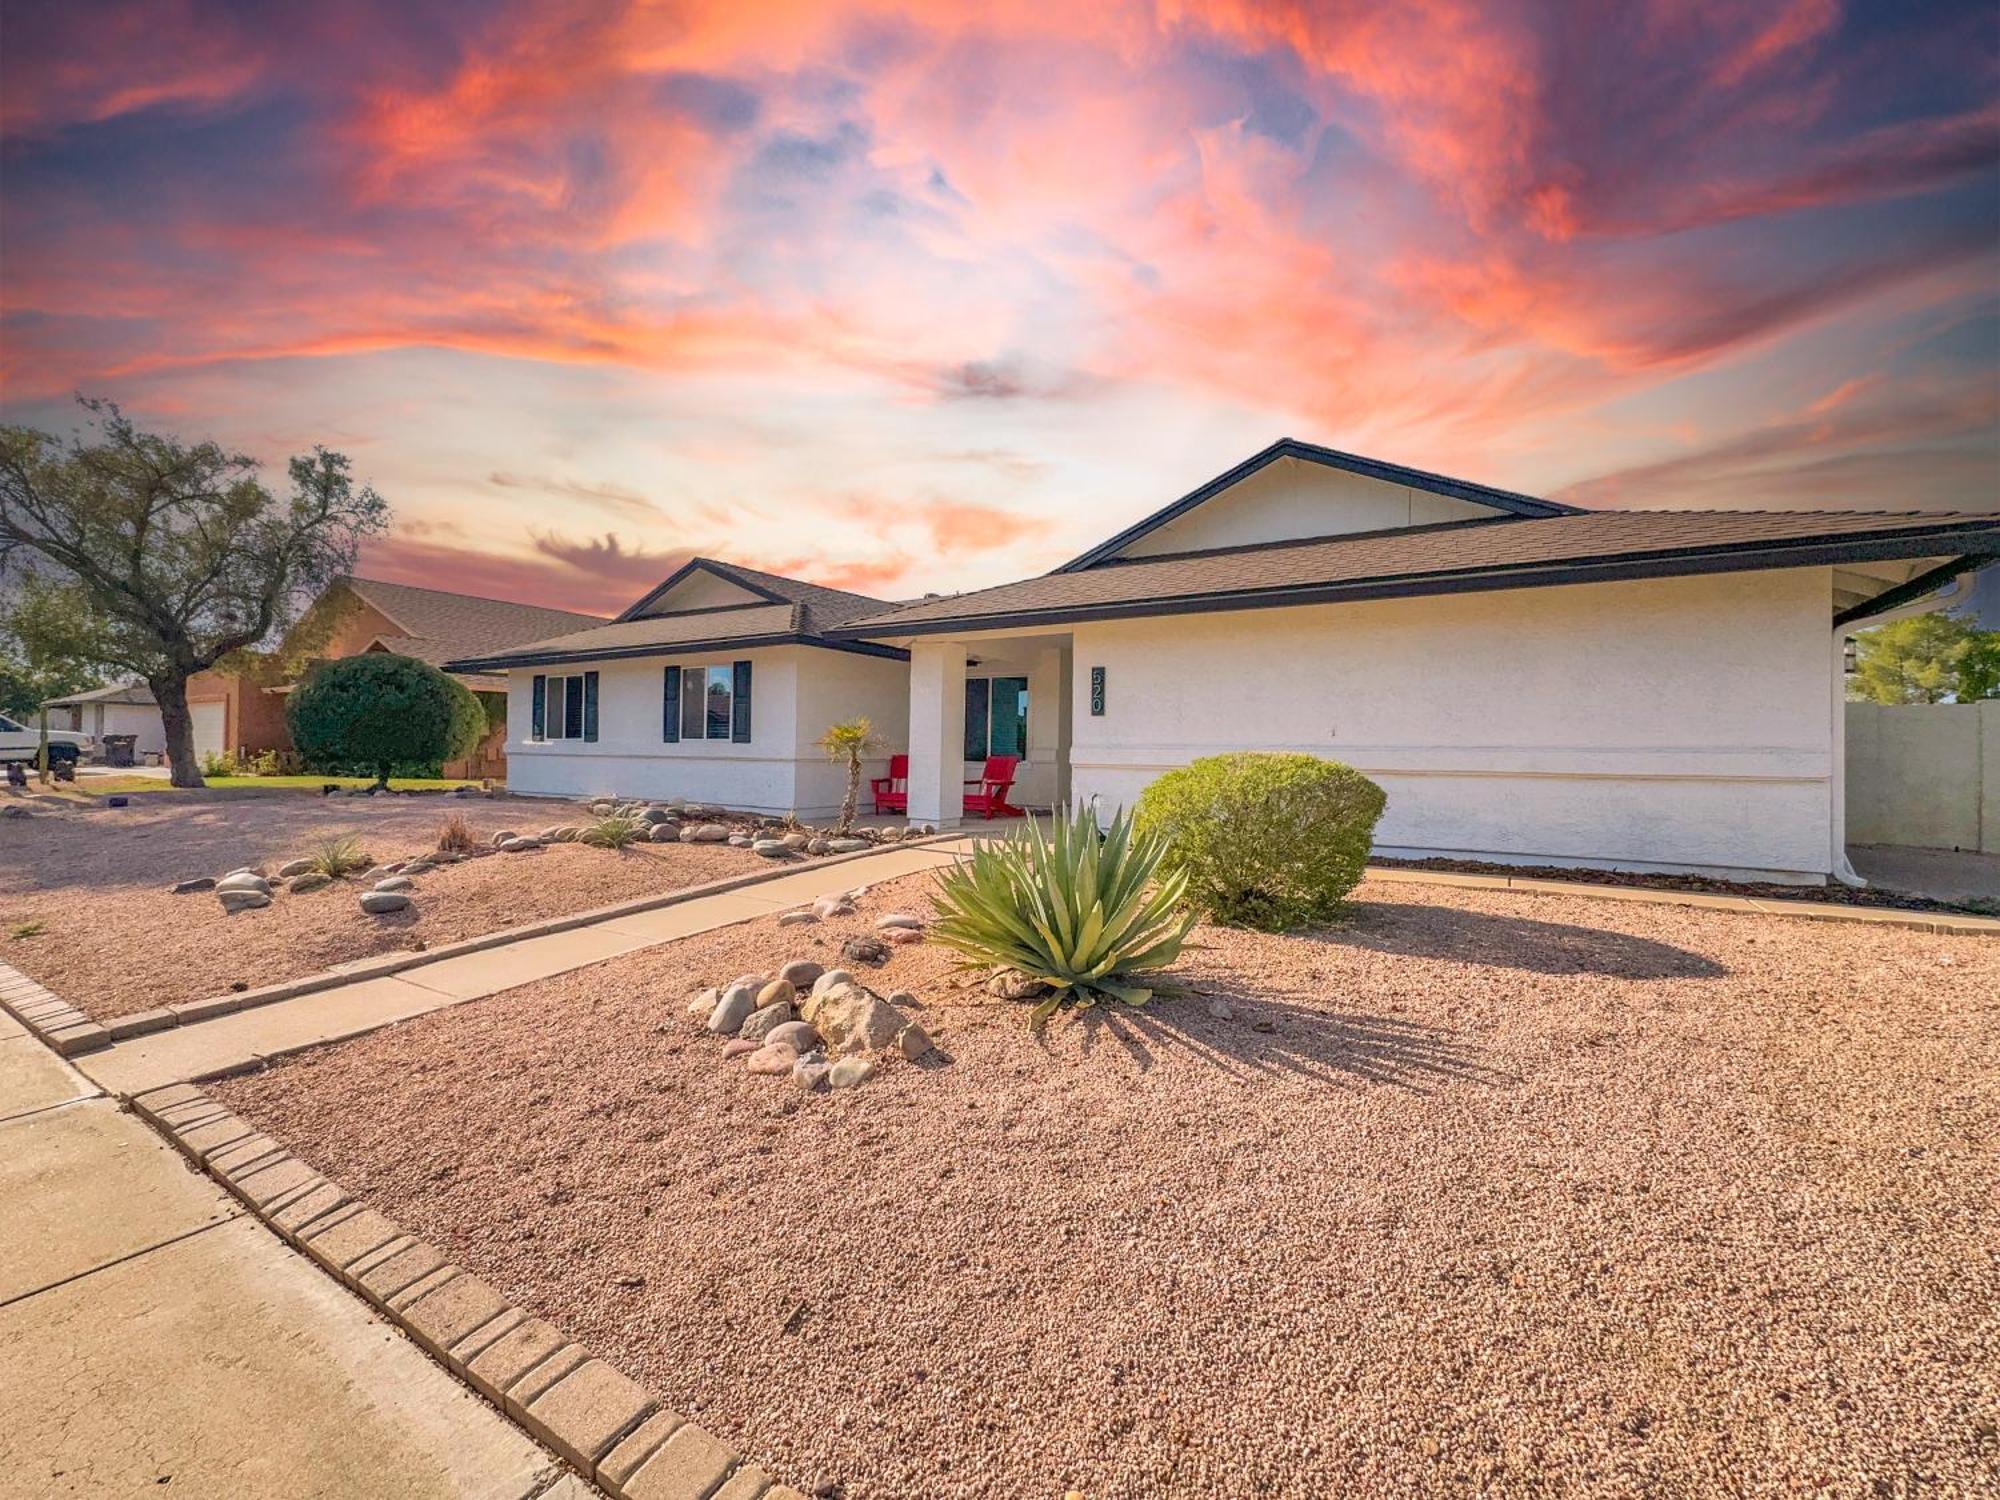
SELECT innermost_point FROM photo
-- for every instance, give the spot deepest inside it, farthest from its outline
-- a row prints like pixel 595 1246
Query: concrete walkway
pixel 154 1340
pixel 1940 874
pixel 205 1049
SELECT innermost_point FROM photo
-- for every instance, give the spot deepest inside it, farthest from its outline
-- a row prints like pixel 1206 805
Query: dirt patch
pixel 1487 1192
pixel 112 940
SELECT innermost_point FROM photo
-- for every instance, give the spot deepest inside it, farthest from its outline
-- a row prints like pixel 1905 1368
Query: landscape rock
pixel 818 844
pixel 312 880
pixel 569 833
pixel 656 816
pixel 811 1070
pixel 797 919
pixel 796 842
pixel 1009 984
pixel 381 903
pixel 831 979
pixel 243 880
pixel 771 848
pixel 897 919
pixel 829 907
pixel 914 1041
pixel 751 982
pixel 500 838
pixel 732 1010
pixel 243 900
pixel 294 867
pixel 189 887
pixel 846 846
pixel 801 1036
pixel 1222 1010
pixel 849 1072
pixel 772 1058
pixel 549 834
pixel 903 935
pixel 801 973
pixel 704 1004
pixel 857 1020
pixel 396 883
pixel 740 841
pixel 521 846
pixel 865 950
pixel 777 992
pixel 739 1047
pixel 665 833
pixel 705 833
pixel 764 1020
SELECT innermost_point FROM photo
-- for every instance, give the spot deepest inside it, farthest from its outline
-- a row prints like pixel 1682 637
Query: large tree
pixel 28 681
pixel 143 554
pixel 1938 657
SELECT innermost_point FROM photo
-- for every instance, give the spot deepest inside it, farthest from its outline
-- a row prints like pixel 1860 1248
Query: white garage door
pixel 211 723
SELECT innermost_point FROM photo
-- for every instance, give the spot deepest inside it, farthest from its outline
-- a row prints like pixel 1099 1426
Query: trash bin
pixel 118 749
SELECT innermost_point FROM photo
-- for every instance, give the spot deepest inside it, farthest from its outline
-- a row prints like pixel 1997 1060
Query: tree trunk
pixel 171 694
pixel 382 777
pixel 851 803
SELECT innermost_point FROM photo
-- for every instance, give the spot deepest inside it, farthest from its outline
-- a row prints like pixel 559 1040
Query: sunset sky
pixel 930 296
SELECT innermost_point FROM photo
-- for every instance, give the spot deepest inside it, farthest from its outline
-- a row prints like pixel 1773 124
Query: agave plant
pixel 1080 912
pixel 337 858
pixel 610 833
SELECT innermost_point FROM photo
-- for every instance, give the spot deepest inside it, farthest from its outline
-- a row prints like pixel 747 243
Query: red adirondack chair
pixel 892 792
pixel 990 801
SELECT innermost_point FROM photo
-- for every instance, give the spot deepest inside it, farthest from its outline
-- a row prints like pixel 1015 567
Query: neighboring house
pixel 243 712
pixel 113 710
pixel 713 687
pixel 1531 682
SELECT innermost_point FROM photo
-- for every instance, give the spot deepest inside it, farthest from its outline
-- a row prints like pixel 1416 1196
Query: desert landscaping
pixel 1471 1192
pixel 89 903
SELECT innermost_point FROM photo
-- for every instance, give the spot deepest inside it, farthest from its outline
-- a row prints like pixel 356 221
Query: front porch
pixel 977 696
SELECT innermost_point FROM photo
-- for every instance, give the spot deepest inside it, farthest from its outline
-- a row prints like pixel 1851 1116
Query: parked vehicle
pixel 20 742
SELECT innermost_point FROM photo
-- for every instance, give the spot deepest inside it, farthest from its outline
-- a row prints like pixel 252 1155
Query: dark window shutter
pixel 739 728
pixel 590 705
pixel 541 713
pixel 670 707
pixel 978 703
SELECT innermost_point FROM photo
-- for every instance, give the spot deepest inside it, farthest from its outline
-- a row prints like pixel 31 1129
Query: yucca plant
pixel 338 857
pixel 1080 912
pixel 610 833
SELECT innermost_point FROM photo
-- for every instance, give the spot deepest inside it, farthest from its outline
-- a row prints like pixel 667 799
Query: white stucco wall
pixel 1291 498
pixel 1662 724
pixel 795 691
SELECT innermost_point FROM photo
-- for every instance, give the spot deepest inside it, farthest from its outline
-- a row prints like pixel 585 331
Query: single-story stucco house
pixel 127 708
pixel 1531 682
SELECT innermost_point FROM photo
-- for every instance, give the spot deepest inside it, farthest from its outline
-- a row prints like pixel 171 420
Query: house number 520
pixel 1097 692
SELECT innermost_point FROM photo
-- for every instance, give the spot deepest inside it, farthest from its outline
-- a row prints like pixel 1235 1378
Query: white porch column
pixel 937 732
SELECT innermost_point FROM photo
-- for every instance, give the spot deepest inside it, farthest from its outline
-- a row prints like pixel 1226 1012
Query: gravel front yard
pixel 1489 1193
pixel 112 940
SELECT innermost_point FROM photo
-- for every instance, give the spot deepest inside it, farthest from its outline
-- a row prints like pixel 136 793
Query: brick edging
pixel 51 1018
pixel 604 1424
pixel 91 1035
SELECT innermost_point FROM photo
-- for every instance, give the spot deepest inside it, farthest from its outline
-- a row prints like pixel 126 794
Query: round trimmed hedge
pixel 1268 840
pixel 378 712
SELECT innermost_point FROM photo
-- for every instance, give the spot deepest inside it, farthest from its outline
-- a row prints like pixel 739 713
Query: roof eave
pixel 514 660
pixel 1749 557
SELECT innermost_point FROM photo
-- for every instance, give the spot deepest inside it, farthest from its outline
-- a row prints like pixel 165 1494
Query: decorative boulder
pixel 811 1070
pixel 771 848
pixel 732 1010
pixel 801 973
pixel 186 887
pixel 665 833
pixel 777 992
pixel 550 834
pixel 849 1072
pixel 801 1036
pixel 656 816
pixel 914 1041
pixel 903 935
pixel 293 868
pixel 846 846
pixel 243 880
pixel 520 846
pixel 865 950
pixel 740 841
pixel 738 1047
pixel 396 883
pixel 831 979
pixel 855 1020
pixel 797 919
pixel 499 839
pixel 243 900
pixel 897 919
pixel 829 907
pixel 703 1005
pixel 760 1023
pixel 818 844
pixel 381 903
pixel 312 880
pixel 773 1060
pixel 796 841
pixel 707 833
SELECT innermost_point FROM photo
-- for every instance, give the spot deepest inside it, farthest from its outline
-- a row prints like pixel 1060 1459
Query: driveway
pixel 1956 875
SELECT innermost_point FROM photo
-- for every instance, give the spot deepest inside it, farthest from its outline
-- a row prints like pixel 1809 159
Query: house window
pixel 713 702
pixel 565 707
pixel 996 717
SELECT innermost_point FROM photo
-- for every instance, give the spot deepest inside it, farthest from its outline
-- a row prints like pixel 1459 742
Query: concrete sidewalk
pixel 205 1049
pixel 154 1340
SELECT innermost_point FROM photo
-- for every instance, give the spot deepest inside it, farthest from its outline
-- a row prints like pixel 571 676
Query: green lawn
pixel 98 786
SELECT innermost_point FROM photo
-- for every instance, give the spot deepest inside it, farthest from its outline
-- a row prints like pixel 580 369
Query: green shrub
pixel 1265 840
pixel 381 712
pixel 220 763
pixel 1078 911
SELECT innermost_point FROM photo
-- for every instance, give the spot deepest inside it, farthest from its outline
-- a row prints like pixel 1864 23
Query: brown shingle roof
pixel 461 622
pixel 800 613
pixel 1456 556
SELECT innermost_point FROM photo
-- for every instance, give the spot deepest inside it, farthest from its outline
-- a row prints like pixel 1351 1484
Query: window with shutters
pixel 714 701
pixel 568 704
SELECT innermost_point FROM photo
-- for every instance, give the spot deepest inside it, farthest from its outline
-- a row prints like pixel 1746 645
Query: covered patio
pixel 988 694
